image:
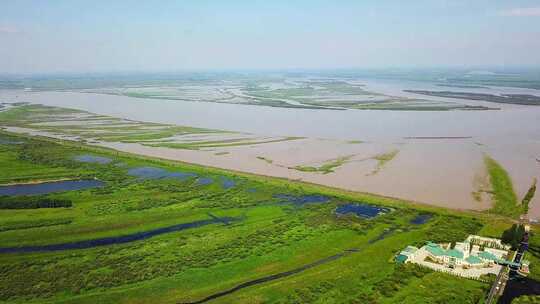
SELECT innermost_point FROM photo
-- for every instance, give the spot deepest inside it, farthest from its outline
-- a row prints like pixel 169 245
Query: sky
pixel 117 36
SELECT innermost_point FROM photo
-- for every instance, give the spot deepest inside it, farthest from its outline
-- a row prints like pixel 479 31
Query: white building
pixel 473 257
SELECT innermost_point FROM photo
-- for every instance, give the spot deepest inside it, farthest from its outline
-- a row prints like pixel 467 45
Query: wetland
pixel 151 235
pixel 195 208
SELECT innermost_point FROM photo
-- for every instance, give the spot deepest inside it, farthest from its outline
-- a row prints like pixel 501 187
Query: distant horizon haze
pixel 41 37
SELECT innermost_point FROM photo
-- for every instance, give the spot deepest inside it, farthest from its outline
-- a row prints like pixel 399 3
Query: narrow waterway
pixel 281 275
pixel 118 239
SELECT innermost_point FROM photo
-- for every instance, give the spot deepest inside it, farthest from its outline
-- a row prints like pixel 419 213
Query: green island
pixel 327 167
pixel 520 99
pixel 504 197
pixel 193 234
pixel 382 159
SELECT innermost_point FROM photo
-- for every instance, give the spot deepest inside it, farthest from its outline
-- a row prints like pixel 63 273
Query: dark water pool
pixel 421 219
pixel 118 239
pixel 203 181
pixel 158 173
pixel 362 210
pixel 227 183
pixel 302 199
pixel 50 187
pixel 93 159
pixel 519 287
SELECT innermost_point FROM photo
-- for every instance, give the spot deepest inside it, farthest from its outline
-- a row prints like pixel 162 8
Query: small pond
pixel 227 183
pixel 50 187
pixel 4 141
pixel 421 219
pixel 203 181
pixel 158 173
pixel 361 210
pixel 93 159
pixel 300 200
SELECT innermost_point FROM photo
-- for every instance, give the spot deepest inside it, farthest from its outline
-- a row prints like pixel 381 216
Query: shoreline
pixel 368 197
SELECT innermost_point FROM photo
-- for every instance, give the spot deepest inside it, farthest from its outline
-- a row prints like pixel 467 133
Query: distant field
pixel 85 126
pixel 520 99
pixel 334 91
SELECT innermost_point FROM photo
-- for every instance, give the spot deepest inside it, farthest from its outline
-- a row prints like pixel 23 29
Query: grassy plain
pixel 88 126
pixel 85 126
pixel 504 197
pixel 268 237
pixel 327 167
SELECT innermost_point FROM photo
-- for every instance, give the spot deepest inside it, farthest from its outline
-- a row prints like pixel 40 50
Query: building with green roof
pixel 434 249
pixel 487 256
pixel 458 258
pixel 472 259
pixel 400 258
pixel 454 253
pixel 464 259
pixel 410 249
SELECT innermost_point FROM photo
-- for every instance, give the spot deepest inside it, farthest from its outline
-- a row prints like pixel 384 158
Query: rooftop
pixel 410 249
pixel 434 249
pixel 400 258
pixel 472 259
pixel 487 256
pixel 454 253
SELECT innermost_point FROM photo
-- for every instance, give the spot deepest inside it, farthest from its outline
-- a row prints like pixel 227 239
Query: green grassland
pixel 383 158
pixel 337 94
pixel 90 127
pixel 327 167
pixel 504 197
pixel 279 92
pixel 220 143
pixel 267 237
pixel 103 128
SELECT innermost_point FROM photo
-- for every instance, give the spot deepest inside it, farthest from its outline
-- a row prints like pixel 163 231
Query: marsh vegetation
pixel 281 226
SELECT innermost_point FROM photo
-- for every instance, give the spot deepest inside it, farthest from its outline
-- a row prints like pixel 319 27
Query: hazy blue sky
pixel 72 36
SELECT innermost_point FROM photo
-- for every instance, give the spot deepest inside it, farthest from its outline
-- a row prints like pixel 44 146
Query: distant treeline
pixel 33 203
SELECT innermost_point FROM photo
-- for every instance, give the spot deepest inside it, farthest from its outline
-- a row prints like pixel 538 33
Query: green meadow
pixel 335 258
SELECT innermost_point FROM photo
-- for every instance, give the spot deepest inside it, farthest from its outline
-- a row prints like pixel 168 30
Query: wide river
pixel 442 172
pixel 512 122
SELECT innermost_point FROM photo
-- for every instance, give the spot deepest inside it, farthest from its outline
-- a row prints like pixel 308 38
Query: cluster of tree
pixel 449 228
pixel 528 197
pixel 33 203
pixel 513 236
pixel 485 243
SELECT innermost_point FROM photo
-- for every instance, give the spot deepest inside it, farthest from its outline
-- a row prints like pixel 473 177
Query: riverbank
pixel 280 221
pixel 448 172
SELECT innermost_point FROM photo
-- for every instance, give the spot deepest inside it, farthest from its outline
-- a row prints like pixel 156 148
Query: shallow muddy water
pixel 440 159
pixel 350 124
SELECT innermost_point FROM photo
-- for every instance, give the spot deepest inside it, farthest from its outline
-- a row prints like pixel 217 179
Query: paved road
pixel 497 285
